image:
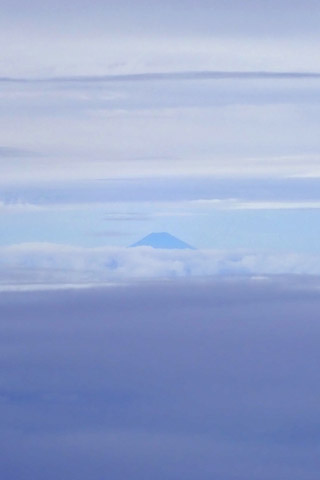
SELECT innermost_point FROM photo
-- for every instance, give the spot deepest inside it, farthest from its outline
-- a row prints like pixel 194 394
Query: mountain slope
pixel 162 240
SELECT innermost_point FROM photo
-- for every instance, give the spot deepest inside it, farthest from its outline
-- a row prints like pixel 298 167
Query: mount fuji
pixel 162 240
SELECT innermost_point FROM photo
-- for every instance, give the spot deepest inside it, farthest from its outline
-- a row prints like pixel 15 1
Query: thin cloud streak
pixel 187 75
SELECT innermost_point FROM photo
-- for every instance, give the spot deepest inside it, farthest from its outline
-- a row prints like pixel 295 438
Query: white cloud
pixel 62 264
pixel 235 204
pixel 80 131
pixel 91 54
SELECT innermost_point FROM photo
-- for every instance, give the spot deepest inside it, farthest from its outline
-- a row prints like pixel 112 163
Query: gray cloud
pixel 156 76
pixel 163 380
pixel 12 152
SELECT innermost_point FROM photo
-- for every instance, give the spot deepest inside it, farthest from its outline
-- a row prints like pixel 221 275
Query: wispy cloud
pixel 184 75
pixel 235 204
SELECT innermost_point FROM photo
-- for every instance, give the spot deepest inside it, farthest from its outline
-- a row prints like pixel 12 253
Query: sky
pixel 225 162
pixel 200 119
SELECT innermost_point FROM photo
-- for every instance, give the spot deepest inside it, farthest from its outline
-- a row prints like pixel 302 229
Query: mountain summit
pixel 162 240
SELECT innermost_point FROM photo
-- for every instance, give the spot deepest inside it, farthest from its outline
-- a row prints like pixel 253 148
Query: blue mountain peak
pixel 162 240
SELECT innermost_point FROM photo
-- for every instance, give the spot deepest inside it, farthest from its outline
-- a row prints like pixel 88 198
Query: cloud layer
pixel 117 37
pixel 45 264
pixel 256 125
pixel 163 380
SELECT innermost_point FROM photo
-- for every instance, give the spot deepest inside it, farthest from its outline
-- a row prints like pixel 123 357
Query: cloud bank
pixel 45 264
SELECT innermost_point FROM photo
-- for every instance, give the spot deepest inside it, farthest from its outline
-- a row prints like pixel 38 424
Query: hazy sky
pixel 54 38
pixel 197 118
